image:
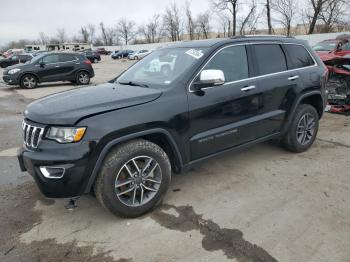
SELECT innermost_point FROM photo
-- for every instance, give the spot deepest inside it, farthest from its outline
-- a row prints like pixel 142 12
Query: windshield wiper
pixel 131 83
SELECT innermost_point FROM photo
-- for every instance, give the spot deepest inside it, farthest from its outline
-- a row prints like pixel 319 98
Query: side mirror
pixel 208 78
pixel 42 64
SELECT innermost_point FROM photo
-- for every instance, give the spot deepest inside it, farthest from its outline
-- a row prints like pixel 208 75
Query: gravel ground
pixel 262 204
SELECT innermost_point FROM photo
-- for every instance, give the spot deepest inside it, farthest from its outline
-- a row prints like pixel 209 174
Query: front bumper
pixel 11 79
pixel 72 158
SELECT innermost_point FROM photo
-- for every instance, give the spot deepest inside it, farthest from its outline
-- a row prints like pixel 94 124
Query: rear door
pixel 223 116
pixel 67 65
pixel 278 85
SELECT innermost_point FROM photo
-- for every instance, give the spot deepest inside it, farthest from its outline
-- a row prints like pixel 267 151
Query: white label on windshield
pixel 195 53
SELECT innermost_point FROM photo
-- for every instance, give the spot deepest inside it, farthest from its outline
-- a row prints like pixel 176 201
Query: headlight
pixel 14 71
pixel 66 134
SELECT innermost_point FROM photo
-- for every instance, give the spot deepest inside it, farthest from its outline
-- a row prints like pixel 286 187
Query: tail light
pixel 87 61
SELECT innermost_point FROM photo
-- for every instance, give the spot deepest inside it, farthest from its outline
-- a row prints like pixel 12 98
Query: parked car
pixel 138 54
pixel 15 59
pixel 93 56
pixel 11 52
pixel 103 51
pixel 123 139
pixel 122 54
pixel 50 67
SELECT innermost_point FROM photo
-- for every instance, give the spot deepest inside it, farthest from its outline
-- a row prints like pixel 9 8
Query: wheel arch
pixel 29 73
pixel 313 98
pixel 159 136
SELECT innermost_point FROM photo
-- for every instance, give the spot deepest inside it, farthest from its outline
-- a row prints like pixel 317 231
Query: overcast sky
pixel 26 18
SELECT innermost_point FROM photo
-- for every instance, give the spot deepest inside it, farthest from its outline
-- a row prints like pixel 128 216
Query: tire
pixel 29 81
pixel 136 58
pixel 83 78
pixel 300 139
pixel 95 60
pixel 116 169
pixel 119 57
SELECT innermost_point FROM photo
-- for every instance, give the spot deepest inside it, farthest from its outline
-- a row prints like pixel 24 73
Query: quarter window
pixel 299 56
pixel 232 61
pixel 270 58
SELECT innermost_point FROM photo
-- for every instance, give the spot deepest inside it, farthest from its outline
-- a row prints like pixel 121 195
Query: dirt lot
pixel 263 204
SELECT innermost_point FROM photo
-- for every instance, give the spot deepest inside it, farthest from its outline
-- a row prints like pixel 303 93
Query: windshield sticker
pixel 195 53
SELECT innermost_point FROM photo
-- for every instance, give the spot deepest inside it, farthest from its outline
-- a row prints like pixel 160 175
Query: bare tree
pixel 43 38
pixel 316 8
pixel 61 35
pixel 231 6
pixel 250 20
pixel 126 30
pixel 172 22
pixel 154 28
pixel 333 14
pixel 91 29
pixel 224 22
pixel 285 10
pixel 203 22
pixel 103 34
pixel 268 16
pixel 85 34
pixel 190 24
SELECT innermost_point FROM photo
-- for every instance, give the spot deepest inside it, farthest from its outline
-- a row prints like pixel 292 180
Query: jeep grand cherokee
pixel 178 106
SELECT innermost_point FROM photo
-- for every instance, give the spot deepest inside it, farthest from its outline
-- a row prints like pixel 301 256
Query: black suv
pixel 50 67
pixel 178 106
pixel 93 56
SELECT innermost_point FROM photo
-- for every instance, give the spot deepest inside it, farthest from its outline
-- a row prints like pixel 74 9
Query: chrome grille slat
pixel 32 134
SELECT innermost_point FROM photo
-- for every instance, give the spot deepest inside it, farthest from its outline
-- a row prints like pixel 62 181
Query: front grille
pixel 32 134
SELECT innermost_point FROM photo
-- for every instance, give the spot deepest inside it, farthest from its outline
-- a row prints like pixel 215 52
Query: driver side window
pixel 232 61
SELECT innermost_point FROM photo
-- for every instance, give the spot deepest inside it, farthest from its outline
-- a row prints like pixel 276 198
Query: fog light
pixel 52 172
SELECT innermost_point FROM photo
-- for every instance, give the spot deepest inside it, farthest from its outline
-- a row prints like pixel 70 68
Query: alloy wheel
pixel 138 181
pixel 29 81
pixel 306 129
pixel 84 78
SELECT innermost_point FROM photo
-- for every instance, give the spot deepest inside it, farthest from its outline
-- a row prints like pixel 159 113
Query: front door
pixel 49 68
pixel 222 116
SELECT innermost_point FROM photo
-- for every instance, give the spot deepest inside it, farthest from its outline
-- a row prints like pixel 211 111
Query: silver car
pixel 139 54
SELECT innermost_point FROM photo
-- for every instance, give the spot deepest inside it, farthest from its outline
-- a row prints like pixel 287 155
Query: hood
pixel 67 108
pixel 21 66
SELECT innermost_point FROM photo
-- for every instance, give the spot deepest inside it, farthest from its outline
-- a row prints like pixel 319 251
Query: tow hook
pixel 72 203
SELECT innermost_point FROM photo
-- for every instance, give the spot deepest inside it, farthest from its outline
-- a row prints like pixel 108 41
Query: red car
pixel 328 49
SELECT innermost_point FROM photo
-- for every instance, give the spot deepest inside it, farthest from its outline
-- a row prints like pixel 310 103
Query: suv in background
pixel 50 67
pixel 15 59
pixel 103 51
pixel 122 54
pixel 93 56
pixel 123 139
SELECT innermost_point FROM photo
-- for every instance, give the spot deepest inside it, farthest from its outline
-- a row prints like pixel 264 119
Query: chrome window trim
pixel 254 77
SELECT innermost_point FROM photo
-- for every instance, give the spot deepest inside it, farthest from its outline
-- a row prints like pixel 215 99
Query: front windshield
pixel 325 46
pixel 162 67
pixel 35 59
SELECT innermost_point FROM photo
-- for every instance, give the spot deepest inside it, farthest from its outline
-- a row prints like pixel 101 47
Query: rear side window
pixel 66 58
pixel 232 61
pixel 299 56
pixel 270 59
pixel 50 59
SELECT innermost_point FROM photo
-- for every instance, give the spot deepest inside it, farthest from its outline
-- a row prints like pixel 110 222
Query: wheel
pixel 29 81
pixel 83 78
pixel 133 179
pixel 95 60
pixel 119 57
pixel 303 130
pixel 136 58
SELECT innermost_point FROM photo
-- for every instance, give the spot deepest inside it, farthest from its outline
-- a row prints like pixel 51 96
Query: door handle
pixel 248 88
pixel 293 78
pixel 57 66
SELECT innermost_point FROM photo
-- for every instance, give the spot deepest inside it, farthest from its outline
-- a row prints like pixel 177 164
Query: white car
pixel 139 54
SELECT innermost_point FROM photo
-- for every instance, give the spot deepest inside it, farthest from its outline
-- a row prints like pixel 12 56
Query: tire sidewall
pixel 110 170
pixel 78 81
pixel 302 110
pixel 23 86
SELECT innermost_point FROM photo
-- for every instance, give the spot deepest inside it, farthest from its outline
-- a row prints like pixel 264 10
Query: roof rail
pixel 247 36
